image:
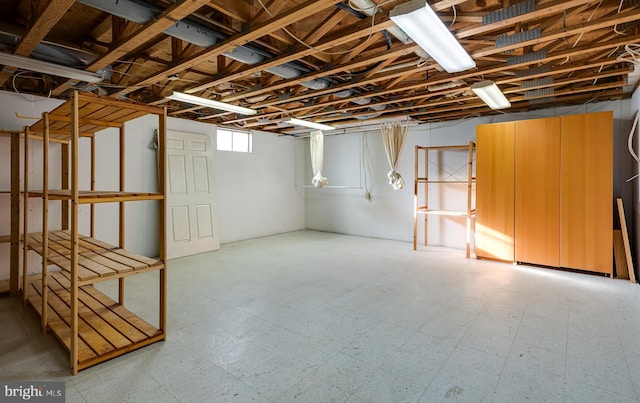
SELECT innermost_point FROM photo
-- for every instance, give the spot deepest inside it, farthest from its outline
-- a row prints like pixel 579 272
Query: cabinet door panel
pixel 537 191
pixel 494 191
pixel 586 225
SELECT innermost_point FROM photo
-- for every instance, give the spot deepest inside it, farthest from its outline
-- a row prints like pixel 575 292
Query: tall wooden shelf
pixel 12 284
pixel 92 326
pixel 422 181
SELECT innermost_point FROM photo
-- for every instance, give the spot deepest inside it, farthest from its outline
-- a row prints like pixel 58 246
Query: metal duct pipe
pixel 198 34
pixel 367 7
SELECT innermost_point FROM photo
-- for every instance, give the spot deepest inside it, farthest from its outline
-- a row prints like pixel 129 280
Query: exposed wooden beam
pixel 301 11
pixel 154 27
pixel 361 29
pixel 627 16
pixel 41 25
pixel 353 64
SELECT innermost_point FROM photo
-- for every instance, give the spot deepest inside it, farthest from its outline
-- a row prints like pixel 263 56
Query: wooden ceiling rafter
pixel 464 76
pixel 296 13
pixel 354 33
pixel 146 64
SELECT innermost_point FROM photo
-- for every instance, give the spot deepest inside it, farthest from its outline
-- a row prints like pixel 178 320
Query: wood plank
pixel 46 19
pixel 296 13
pixel 116 308
pixel 586 217
pixel 359 30
pixel 495 193
pixel 154 27
pixel 60 303
pixel 537 191
pixel 622 270
pixel 625 239
pixel 124 327
pixel 58 327
pixel 95 321
pixel 14 253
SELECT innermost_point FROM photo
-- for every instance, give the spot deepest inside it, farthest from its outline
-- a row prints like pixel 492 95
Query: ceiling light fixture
pixel 192 99
pixel 422 24
pixel 53 69
pixel 489 92
pixel 311 125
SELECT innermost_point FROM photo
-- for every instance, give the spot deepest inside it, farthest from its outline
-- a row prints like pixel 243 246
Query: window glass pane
pixel 224 140
pixel 241 142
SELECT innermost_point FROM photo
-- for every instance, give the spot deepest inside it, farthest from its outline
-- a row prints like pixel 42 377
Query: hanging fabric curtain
pixel 393 136
pixel 317 153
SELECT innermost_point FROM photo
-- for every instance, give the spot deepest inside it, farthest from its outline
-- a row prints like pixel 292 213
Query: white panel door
pixel 191 218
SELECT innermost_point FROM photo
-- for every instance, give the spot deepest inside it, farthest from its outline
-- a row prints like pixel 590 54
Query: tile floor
pixel 317 317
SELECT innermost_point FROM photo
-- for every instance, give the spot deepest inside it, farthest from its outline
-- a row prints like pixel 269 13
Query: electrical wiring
pixel 615 27
pixel 589 20
pixel 303 43
pixel 15 89
pixel 630 143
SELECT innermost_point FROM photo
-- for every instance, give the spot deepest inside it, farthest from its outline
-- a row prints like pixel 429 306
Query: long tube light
pixel 422 24
pixel 192 99
pixel 489 92
pixel 40 66
pixel 311 125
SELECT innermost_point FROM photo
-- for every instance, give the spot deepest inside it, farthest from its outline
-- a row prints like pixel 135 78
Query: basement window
pixel 234 140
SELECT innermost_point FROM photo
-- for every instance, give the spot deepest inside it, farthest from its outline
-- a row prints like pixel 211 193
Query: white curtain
pixel 317 153
pixel 393 136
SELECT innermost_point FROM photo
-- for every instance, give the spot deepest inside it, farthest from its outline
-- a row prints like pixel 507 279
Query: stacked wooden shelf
pixel 92 326
pixel 422 180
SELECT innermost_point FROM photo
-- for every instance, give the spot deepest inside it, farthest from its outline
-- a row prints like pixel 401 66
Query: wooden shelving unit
pixel 12 284
pixel 422 179
pixel 92 326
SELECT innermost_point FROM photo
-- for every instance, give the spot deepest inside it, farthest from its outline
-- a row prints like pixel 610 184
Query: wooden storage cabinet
pixel 562 192
pixel 494 191
pixel 92 326
pixel 586 197
pixel 537 191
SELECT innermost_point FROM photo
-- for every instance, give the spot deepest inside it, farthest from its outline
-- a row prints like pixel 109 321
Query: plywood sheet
pixel 537 191
pixel 586 226
pixel 495 191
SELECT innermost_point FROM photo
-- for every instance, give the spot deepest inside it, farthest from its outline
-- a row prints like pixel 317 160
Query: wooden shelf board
pixel 97 260
pixel 106 329
pixel 425 180
pixel 445 148
pixel 457 213
pixel 96 114
pixel 97 196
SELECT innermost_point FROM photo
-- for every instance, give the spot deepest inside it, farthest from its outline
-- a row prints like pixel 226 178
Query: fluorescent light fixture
pixel 489 92
pixel 420 22
pixel 40 66
pixel 192 99
pixel 306 123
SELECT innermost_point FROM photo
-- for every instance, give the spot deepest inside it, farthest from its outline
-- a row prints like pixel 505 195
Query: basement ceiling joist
pixel 323 60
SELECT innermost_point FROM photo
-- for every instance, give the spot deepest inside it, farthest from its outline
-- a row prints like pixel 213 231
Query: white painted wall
pixel 256 194
pixel 635 108
pixel 389 213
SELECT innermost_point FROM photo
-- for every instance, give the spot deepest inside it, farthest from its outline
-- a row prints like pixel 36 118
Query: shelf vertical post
pixel 162 160
pixel 415 199
pixel 469 192
pixel 426 195
pixel 14 271
pixel 92 214
pixel 45 221
pixel 121 211
pixel 25 218
pixel 64 178
pixel 75 129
